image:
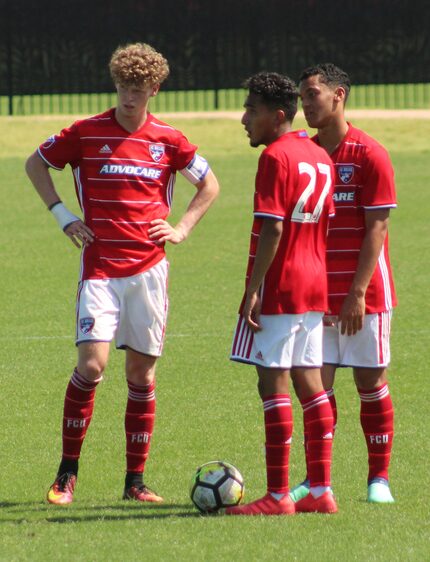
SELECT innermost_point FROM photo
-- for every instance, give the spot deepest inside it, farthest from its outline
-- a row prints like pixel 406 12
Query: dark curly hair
pixel 275 90
pixel 329 74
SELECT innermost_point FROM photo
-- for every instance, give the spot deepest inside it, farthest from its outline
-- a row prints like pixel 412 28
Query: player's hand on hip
pixel 352 315
pixel 79 233
pixel 161 231
pixel 330 321
pixel 251 311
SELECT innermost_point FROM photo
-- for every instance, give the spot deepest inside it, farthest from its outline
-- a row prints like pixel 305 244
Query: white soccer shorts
pixel 369 347
pixel 133 310
pixel 285 341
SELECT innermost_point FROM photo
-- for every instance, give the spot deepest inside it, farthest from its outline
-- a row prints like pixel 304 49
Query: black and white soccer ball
pixel 216 485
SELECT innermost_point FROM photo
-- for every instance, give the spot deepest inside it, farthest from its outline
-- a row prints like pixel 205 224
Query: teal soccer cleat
pixel 378 491
pixel 300 491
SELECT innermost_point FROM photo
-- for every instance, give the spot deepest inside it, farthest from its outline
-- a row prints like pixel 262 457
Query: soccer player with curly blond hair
pixel 124 164
pixel 138 64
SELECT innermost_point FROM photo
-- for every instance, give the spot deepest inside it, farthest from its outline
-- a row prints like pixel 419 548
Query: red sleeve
pixel 270 188
pixel 184 153
pixel 378 185
pixel 62 149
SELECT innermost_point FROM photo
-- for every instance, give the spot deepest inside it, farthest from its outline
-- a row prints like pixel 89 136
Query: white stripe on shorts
pixel 384 323
pixel 242 343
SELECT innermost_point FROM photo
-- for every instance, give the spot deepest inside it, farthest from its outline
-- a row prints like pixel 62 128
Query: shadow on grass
pixel 32 512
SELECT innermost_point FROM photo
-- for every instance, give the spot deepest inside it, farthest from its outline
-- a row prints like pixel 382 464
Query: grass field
pixel 207 406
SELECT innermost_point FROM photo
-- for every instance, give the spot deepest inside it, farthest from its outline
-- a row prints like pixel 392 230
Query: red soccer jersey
pixel 364 180
pixel 294 184
pixel 123 181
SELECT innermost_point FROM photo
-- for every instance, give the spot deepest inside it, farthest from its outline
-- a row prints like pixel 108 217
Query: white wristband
pixel 63 216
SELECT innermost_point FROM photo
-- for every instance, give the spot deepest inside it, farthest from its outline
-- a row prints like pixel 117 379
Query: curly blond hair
pixel 138 64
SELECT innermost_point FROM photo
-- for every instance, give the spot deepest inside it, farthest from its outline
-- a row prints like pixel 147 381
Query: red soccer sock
pixel 318 426
pixel 278 423
pixel 139 424
pixel 332 399
pixel 377 421
pixel 78 411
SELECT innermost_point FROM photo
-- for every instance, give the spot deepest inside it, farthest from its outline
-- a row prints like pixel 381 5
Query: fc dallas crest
pixel 156 151
pixel 86 325
pixel 346 173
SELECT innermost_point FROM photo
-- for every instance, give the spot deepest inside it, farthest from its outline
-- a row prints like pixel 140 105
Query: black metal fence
pixel 54 47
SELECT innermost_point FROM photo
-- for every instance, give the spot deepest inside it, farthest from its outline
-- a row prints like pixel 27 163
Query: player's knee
pixel 141 378
pixel 91 369
pixel 141 372
pixel 370 379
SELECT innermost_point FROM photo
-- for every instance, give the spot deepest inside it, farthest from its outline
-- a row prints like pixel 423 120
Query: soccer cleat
pixel 141 494
pixel 300 491
pixel 61 491
pixel 378 491
pixel 266 505
pixel 324 504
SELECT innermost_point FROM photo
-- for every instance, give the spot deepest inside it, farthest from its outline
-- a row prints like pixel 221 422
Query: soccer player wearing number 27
pixel 360 284
pixel 280 319
pixel 124 163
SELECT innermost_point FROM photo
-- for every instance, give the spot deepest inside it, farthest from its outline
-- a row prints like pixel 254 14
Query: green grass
pixel 371 96
pixel 207 406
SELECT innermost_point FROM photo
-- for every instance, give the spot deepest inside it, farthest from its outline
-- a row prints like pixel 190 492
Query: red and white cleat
pixel 324 504
pixel 266 505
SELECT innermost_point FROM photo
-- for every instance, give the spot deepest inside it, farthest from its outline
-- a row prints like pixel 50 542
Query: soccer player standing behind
pixel 280 319
pixel 360 283
pixel 124 163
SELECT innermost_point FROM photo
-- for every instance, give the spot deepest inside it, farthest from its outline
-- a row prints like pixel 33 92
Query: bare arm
pixel 268 242
pixel 353 308
pixel 207 192
pixel 38 172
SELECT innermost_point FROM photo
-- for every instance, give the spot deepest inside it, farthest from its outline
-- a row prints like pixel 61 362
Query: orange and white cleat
pixel 61 491
pixel 324 504
pixel 141 494
pixel 267 505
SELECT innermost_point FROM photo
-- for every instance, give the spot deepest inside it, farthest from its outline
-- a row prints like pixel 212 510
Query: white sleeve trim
pixel 196 169
pixel 268 215
pixel 47 161
pixel 369 208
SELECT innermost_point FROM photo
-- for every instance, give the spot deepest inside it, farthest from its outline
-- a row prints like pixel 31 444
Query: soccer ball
pixel 215 485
